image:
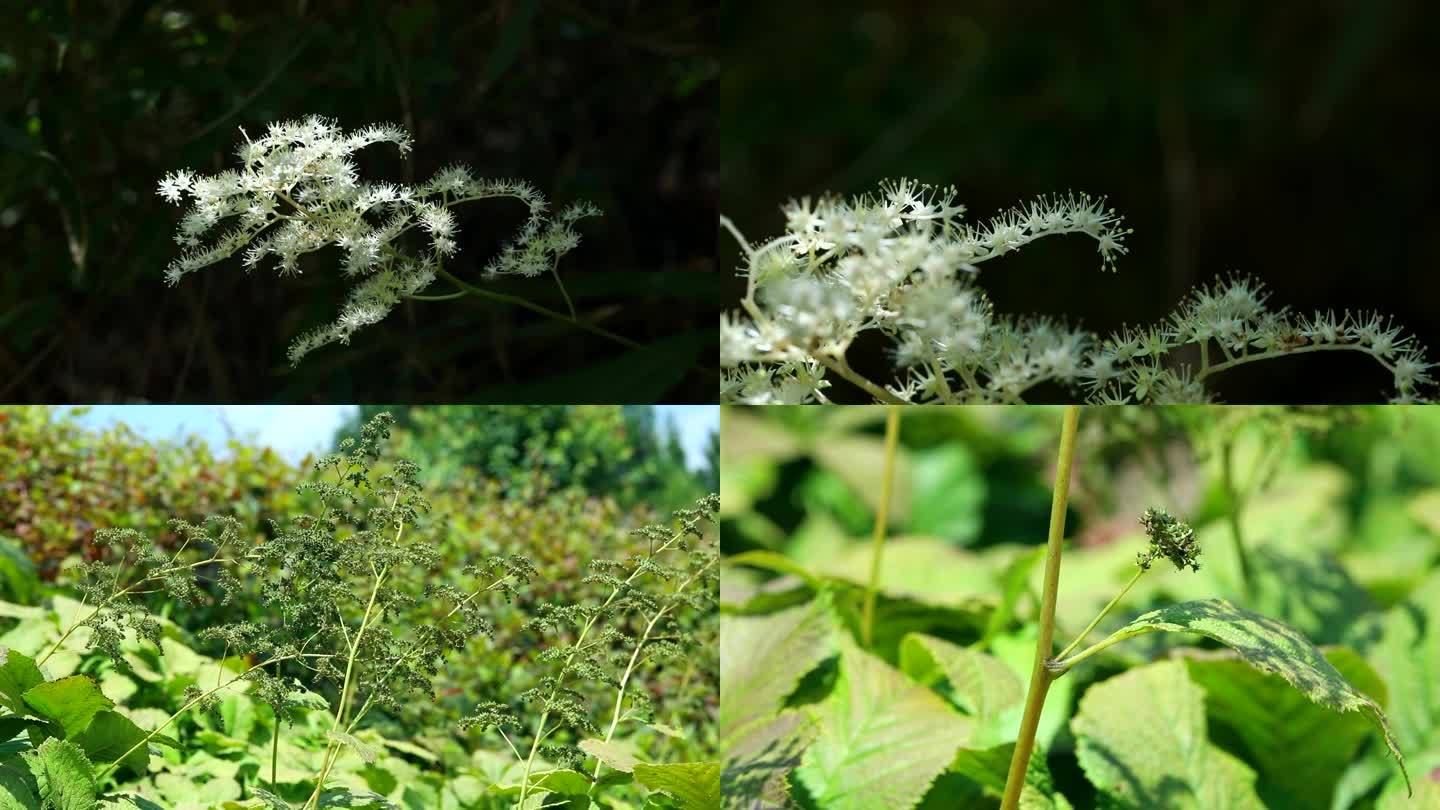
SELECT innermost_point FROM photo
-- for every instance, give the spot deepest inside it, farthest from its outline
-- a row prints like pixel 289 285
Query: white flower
pixel 173 186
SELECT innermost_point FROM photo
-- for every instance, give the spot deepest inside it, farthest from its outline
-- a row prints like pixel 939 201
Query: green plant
pixel 903 262
pixel 637 623
pixel 952 691
pixel 298 191
pixel 354 616
pixel 64 481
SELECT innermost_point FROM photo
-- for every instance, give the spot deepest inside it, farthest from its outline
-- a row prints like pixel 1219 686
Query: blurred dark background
pixel 612 102
pixel 1294 142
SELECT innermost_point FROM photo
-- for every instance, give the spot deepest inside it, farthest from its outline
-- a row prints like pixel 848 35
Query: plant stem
pixel 536 308
pixel 882 514
pixel 1273 353
pixel 540 732
pixel 332 748
pixel 188 705
pixel 1235 504
pixel 1105 611
pixel 1039 675
pixel 635 660
pixel 839 366
pixel 570 305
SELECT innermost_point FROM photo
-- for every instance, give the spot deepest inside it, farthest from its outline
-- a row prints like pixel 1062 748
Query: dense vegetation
pixel 424 642
pixel 1290 664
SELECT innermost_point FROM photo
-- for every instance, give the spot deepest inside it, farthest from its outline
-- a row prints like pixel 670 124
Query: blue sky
pixel 294 430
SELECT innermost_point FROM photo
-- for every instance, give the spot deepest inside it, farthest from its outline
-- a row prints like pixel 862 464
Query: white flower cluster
pixel 903 262
pixel 298 191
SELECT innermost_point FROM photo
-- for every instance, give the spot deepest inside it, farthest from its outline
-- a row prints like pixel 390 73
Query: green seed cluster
pixel 1169 538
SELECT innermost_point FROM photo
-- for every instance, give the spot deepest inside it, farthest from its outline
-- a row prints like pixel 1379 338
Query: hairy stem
pixel 1040 676
pixel 882 514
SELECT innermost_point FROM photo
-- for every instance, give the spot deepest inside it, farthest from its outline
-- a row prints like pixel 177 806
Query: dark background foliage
pixel 1292 142
pixel 609 102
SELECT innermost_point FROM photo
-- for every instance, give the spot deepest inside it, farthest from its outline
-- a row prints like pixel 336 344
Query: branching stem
pixel 1040 676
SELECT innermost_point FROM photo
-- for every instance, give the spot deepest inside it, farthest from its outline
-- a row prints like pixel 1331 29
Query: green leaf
pixel 1269 646
pixel 71 702
pixel 990 767
pixel 611 752
pixel 982 684
pixel 366 751
pixel 64 777
pixel 1141 739
pixel 759 760
pixel 564 782
pixel 18 674
pixel 17 789
pixel 109 736
pixel 762 660
pixel 1299 748
pixel 948 494
pixel 882 739
pixel 695 785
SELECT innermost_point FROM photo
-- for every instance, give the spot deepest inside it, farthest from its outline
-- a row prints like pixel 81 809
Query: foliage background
pixel 1276 140
pixel 1343 535
pixel 587 477
pixel 611 103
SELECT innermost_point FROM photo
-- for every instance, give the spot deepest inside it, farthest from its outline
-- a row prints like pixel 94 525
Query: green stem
pixel 570 305
pixel 1232 514
pixel 540 732
pixel 1113 602
pixel 446 297
pixel 882 514
pixel 536 308
pixel 839 366
pixel 1274 353
pixel 1040 676
pixel 188 705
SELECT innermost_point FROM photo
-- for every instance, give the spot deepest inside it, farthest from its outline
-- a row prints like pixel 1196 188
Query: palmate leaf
pixel 1141 739
pixel 1270 646
pixel 882 738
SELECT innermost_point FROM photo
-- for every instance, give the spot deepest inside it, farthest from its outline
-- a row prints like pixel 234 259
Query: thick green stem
pixel 1040 676
pixel 1234 503
pixel 882 515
